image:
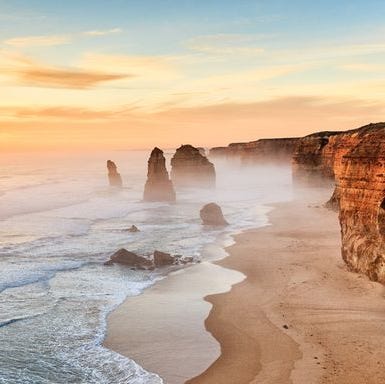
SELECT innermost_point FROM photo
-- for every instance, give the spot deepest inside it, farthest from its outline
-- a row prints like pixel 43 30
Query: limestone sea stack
pixel 190 168
pixel 158 186
pixel 211 214
pixel 113 175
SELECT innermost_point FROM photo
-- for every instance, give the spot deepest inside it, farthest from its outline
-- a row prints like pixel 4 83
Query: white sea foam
pixel 60 222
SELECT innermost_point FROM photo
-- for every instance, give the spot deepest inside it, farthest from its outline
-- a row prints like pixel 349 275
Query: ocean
pixel 60 220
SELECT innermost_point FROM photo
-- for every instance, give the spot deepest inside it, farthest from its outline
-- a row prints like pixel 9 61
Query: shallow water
pixel 59 221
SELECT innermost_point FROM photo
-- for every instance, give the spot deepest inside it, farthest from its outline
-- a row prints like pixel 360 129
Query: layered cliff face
pixel 259 151
pixel 309 165
pixel 113 176
pixel 191 169
pixel 319 154
pixel 158 186
pixel 360 176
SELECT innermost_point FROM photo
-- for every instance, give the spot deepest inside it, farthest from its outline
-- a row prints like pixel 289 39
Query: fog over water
pixel 59 221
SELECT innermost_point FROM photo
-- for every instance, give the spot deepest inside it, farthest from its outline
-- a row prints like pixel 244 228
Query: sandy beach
pixel 299 316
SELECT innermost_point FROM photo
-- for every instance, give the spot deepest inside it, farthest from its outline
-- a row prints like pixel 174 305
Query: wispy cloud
pixel 38 41
pixel 26 71
pixel 52 40
pixel 63 78
pixel 364 67
pixel 227 44
pixel 146 68
pixel 103 32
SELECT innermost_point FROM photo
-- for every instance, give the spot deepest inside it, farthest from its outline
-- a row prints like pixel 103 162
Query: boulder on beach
pixel 131 259
pixel 113 175
pixel 211 214
pixel 158 186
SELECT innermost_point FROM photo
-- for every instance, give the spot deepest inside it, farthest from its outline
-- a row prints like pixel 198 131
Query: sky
pixel 125 74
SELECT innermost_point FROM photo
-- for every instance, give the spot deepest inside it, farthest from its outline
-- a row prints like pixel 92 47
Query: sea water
pixel 59 221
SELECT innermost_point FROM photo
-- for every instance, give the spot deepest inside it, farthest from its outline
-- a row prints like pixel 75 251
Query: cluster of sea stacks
pixel 353 161
pixel 189 168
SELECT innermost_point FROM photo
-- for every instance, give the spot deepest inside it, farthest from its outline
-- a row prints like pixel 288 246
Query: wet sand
pixel 298 317
pixel 163 328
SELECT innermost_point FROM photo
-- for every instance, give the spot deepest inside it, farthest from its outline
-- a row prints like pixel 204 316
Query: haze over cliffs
pixel 259 151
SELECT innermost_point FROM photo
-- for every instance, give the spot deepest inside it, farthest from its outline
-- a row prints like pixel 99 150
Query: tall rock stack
pixel 158 186
pixel 361 193
pixel 192 169
pixel 113 175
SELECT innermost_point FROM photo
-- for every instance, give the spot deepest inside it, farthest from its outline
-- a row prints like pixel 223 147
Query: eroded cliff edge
pixel 354 161
pixel 360 179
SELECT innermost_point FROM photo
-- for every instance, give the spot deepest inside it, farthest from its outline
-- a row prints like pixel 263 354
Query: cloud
pixel 103 32
pixel 63 78
pixel 149 69
pixel 38 41
pixel 364 67
pixel 57 113
pixel 52 40
pixel 69 127
pixel 26 71
pixel 227 44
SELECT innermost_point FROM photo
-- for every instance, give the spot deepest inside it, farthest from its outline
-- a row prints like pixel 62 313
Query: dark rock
pixel 158 186
pixel 133 228
pixel 162 259
pixel 211 214
pixel 192 169
pixel 122 256
pixel 113 176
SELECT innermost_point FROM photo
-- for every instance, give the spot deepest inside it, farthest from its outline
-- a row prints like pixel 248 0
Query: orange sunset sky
pixel 134 74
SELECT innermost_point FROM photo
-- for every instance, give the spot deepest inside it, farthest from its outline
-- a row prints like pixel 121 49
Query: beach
pixel 298 316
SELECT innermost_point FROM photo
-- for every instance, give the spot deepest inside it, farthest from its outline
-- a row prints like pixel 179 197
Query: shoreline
pixel 163 328
pixel 298 317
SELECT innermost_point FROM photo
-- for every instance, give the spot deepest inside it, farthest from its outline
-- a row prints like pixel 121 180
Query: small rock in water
pixel 133 228
pixel 211 214
pixel 122 256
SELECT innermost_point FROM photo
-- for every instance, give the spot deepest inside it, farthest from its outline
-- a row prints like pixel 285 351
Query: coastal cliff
pixel 360 190
pixel 158 185
pixel 259 151
pixel 190 168
pixel 355 161
pixel 318 155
